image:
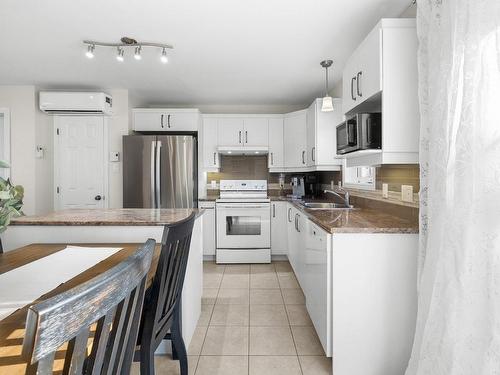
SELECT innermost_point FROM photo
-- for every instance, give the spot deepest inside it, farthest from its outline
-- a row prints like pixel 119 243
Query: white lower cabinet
pixel 208 227
pixel 316 282
pixel 279 228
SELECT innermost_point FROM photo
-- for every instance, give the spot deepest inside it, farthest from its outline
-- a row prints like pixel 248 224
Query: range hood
pixel 248 150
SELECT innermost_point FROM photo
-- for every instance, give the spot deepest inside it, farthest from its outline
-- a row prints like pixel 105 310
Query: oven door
pixel 347 136
pixel 243 225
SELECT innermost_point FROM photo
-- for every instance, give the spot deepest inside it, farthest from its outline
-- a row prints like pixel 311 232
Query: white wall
pixel 21 102
pixel 118 127
pixel 44 167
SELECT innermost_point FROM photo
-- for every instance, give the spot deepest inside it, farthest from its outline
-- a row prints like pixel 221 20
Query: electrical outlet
pixel 114 156
pixel 332 184
pixel 407 193
pixel 339 184
pixel 213 184
pixel 385 191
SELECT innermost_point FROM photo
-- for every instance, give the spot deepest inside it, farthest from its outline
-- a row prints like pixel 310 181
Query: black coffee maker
pixel 312 188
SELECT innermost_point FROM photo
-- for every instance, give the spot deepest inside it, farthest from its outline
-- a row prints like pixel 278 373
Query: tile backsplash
pixel 397 175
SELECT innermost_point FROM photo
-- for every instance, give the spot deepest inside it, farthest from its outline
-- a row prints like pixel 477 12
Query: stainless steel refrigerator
pixel 160 171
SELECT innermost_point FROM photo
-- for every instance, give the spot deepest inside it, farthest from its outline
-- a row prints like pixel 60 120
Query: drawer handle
pixel 239 136
pixel 168 121
pixel 289 215
pixel 161 121
pixel 215 155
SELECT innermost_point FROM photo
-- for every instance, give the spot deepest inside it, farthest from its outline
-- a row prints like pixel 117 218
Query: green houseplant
pixel 11 201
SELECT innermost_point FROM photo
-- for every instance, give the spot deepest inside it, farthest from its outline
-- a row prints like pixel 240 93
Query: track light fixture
pixel 126 42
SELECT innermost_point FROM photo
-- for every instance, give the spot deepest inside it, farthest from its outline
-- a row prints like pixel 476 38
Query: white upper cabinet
pixel 295 141
pixel 276 153
pixel 255 132
pixel 362 76
pixel 230 132
pixel 243 132
pixel 166 119
pixel 209 135
pixel 321 136
pixel 382 76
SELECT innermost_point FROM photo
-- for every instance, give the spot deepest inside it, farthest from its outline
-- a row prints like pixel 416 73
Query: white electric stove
pixel 243 222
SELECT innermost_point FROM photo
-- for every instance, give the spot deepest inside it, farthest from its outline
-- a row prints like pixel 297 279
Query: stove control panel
pixel 243 185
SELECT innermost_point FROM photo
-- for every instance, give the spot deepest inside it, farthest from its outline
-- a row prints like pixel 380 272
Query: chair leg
pixel 147 361
pixel 178 347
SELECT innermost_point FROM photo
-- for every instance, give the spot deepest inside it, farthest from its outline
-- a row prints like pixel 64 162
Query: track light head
pixel 90 51
pixel 137 54
pixel 164 58
pixel 119 54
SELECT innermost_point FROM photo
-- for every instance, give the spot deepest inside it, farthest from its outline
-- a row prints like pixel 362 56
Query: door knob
pixel 97 197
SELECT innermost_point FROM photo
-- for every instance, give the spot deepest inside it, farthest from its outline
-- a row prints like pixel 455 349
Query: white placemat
pixel 25 284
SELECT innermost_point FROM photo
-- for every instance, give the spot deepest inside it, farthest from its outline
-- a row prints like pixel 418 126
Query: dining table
pixel 12 327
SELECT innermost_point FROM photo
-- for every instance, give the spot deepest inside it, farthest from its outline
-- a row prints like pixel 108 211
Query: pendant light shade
pixel 327 105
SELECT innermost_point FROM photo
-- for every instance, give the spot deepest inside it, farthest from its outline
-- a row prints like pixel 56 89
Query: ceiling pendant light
pixel 164 58
pixel 119 54
pixel 327 105
pixel 90 51
pixel 137 54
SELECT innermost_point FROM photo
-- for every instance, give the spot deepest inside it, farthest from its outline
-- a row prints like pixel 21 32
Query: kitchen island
pixel 117 226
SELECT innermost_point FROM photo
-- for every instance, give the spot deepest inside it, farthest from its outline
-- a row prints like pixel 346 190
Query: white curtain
pixel 458 325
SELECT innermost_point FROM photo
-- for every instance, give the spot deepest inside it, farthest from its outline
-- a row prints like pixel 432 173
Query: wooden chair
pixel 162 306
pixel 111 303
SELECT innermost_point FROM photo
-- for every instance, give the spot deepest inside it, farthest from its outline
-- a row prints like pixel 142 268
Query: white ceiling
pixel 225 51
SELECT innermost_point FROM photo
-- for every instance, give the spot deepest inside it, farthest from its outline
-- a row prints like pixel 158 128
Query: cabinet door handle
pixel 215 155
pixel 239 136
pixel 352 88
pixel 303 157
pixel 168 121
pixel 161 121
pixel 298 228
pixel 358 79
pixel 272 158
pixel 246 136
pixel 289 216
pixel 295 221
pixel 313 154
pixel 274 210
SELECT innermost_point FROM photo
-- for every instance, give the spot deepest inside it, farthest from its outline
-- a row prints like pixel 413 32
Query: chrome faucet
pixel 345 198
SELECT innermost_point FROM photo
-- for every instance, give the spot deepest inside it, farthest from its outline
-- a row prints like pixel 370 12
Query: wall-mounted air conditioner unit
pixel 79 103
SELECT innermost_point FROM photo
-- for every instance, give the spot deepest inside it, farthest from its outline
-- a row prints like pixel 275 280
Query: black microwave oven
pixel 362 131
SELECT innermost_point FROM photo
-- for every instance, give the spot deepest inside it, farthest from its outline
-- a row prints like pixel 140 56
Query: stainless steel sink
pixel 326 206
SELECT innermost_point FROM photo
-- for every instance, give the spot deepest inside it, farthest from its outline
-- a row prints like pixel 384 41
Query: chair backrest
pixel 97 320
pixel 169 278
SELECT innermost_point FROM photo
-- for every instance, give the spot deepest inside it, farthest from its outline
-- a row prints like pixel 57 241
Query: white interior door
pixel 80 170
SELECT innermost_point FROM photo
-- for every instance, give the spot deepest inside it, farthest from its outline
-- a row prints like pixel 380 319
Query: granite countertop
pixel 100 217
pixel 357 220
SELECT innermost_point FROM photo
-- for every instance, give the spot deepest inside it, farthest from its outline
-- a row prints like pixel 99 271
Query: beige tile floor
pixel 253 322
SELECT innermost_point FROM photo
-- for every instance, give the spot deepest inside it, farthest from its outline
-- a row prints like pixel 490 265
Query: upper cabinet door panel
pixel 147 121
pixel 180 121
pixel 311 135
pixel 295 139
pixel 276 154
pixel 230 132
pixel 255 132
pixel 210 155
pixel 369 76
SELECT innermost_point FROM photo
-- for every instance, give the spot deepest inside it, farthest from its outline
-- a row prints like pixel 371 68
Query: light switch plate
pixel 385 191
pixel 407 193
pixel 213 184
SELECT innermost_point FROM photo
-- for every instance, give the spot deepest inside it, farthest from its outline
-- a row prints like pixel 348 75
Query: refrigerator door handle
pixel 152 174
pixel 158 169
